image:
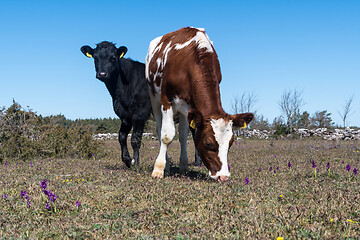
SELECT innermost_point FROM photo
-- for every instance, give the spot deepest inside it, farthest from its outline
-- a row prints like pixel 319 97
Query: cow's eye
pixel 209 145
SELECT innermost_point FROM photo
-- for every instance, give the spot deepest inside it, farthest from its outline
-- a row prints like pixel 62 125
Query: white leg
pixel 183 135
pixel 167 135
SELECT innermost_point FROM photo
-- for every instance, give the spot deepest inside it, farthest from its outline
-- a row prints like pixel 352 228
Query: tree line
pixel 290 104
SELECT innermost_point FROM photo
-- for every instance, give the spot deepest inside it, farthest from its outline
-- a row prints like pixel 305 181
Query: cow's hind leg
pixel 167 135
pixel 138 129
pixel 123 134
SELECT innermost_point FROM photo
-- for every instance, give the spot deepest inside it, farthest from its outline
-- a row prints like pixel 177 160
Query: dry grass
pixel 118 203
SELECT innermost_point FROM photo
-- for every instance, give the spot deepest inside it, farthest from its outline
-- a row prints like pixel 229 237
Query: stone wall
pixel 107 136
pixel 336 134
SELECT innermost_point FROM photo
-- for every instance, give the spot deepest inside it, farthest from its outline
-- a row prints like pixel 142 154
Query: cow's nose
pixel 102 74
pixel 223 178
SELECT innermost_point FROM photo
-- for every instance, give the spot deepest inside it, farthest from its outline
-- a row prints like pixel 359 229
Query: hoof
pixel 157 174
pixel 197 163
pixel 127 162
pixel 184 171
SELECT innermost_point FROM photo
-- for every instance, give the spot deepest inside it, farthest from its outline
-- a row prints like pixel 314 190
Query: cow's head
pixel 214 137
pixel 106 57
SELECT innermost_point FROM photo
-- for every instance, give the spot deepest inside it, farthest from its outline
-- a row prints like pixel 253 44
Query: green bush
pixel 281 130
pixel 25 135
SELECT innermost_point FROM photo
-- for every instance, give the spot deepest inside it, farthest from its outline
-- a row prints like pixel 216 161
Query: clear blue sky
pixel 264 47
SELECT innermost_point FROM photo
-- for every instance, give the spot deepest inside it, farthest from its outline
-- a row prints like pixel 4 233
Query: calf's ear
pixel 87 51
pixel 242 120
pixel 195 118
pixel 121 51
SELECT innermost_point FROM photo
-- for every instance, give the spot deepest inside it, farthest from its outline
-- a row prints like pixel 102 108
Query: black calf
pixel 125 80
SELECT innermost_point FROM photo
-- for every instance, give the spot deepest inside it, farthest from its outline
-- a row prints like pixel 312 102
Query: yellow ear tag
pixel 121 55
pixel 244 125
pixel 192 124
pixel 89 55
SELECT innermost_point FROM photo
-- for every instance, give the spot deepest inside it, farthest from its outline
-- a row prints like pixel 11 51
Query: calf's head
pixel 106 57
pixel 214 137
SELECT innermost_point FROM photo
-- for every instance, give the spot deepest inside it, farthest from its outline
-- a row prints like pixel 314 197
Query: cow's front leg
pixel 138 128
pixel 123 134
pixel 167 135
pixel 197 157
pixel 183 135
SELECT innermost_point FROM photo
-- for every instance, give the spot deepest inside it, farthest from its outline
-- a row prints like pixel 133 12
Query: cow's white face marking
pixel 223 134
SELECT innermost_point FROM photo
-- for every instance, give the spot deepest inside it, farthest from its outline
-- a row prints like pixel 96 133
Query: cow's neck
pixel 207 99
pixel 117 82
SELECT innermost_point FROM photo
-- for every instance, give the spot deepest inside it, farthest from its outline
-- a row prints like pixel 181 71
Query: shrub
pixel 24 135
pixel 281 130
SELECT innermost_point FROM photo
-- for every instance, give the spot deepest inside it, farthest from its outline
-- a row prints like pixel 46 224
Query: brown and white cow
pixel 183 74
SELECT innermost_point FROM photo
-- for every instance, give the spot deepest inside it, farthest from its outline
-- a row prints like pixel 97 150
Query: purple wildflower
pixel 275 156
pixel 46 192
pixel 229 167
pixel 6 163
pixel 77 203
pixel 313 164
pixel 5 196
pixel 355 171
pixel 28 200
pixel 289 164
pixel 342 162
pixel 47 206
pixel 259 169
pixel 348 167
pixel 246 181
pixel 23 193
pixel 274 171
pixel 43 184
pixel 52 197
pixel 328 165
pixel 270 169
pixel 277 168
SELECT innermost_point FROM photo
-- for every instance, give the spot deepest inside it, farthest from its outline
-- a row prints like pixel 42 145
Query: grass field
pixel 101 199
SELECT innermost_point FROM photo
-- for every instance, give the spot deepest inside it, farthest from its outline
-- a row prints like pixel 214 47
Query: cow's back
pixel 177 60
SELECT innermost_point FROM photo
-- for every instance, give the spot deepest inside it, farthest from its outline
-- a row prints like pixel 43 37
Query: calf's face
pixel 214 137
pixel 106 57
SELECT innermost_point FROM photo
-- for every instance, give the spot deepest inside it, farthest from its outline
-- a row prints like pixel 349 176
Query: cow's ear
pixel 242 120
pixel 121 51
pixel 87 51
pixel 195 118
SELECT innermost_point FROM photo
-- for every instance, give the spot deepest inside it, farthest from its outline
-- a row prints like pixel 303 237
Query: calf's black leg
pixel 138 129
pixel 197 157
pixel 123 133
